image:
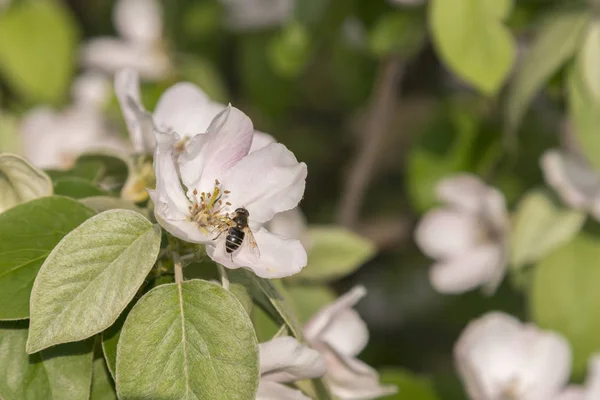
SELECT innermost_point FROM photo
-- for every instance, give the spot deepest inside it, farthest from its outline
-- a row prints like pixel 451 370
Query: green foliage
pixel 62 372
pixel 102 386
pixel 208 347
pixel 38 39
pixel 397 33
pixel 309 299
pixel 589 60
pixel 104 203
pixel 539 227
pixel 28 232
pixel 410 386
pixel 565 298
pixel 290 50
pixel 471 39
pixel 20 181
pixel 78 188
pixel 90 277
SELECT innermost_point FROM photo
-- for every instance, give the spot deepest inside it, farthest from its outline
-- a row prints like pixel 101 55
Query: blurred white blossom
pixel 575 181
pixel 257 14
pixel 467 237
pixel 285 360
pixel 588 391
pixel 53 139
pixel 141 46
pixel 340 334
pixel 498 357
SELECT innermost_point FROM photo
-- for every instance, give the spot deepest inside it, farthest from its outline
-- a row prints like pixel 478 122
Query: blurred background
pixel 377 97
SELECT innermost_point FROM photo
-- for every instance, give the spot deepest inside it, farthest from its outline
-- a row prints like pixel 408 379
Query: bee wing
pixel 252 242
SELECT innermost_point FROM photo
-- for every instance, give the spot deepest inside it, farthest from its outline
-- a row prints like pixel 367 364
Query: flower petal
pixel 266 182
pixel 138 20
pixel 291 224
pixel 256 14
pixel 185 109
pixel 347 334
pixel 279 257
pixel 573 392
pixel 139 122
pixel 463 191
pixel 168 189
pixel 322 321
pixel 284 359
pixel 443 233
pixel 260 140
pixel 475 267
pixel 592 382
pixel 275 391
pixel 91 89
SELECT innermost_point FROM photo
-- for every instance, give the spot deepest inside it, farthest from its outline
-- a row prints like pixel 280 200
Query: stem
pixel 381 108
pixel 223 275
pixel 177 267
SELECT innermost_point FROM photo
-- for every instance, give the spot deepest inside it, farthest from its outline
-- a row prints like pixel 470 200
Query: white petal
pixel 39 138
pixel 275 391
pixel 138 20
pixel 266 182
pixel 260 140
pixel 254 14
pixel 227 141
pixel 592 382
pixel 347 334
pixel 279 257
pixel 321 321
pixel 291 224
pixel 91 89
pixel 573 392
pixel 576 183
pixel 476 267
pixel 445 233
pixel 463 191
pixel 284 359
pixel 185 109
pixel 351 379
pixel 139 122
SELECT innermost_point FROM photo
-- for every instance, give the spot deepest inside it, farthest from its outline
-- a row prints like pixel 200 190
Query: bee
pixel 238 231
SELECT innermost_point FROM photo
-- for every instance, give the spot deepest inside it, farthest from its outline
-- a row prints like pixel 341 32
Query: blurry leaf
pixel 9 138
pixel 309 299
pixel 310 11
pixel 104 203
pixel 555 43
pixel 202 19
pixel 77 188
pixel 589 61
pixel 399 33
pixel 90 171
pixel 264 325
pixel 410 386
pixel 565 297
pixel 240 293
pixel 28 233
pixel 470 37
pixel 204 74
pixel 208 347
pixel 110 340
pixel 20 181
pixel 335 253
pixel 37 49
pixel 539 227
pixel 290 50
pixel 60 373
pixel 102 387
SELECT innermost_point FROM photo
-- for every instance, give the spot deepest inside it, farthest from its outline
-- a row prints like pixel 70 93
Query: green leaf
pixel 38 40
pixel 264 325
pixel 105 203
pixel 28 232
pixel 309 299
pixel 397 32
pixel 20 181
pixel 110 341
pixel 289 51
pixel 590 60
pixel 207 346
pixel 89 171
pixel 102 386
pixel 410 386
pixel 9 133
pixel 555 43
pixel 77 188
pixel 470 37
pixel 90 277
pixel 240 293
pixel 63 372
pixel 336 252
pixel 565 297
pixel 539 227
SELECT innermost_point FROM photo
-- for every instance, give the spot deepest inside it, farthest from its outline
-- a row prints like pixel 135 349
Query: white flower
pixel 257 14
pixel 577 184
pixel 467 237
pixel 590 390
pixel 218 166
pixel 292 224
pixel 54 139
pixel 340 334
pixel 499 357
pixel 139 22
pixel 285 360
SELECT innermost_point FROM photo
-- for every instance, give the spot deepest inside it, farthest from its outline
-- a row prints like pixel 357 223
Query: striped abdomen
pixel 234 239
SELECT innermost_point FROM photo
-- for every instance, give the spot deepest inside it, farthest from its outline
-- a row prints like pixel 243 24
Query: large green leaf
pixel 565 297
pixel 77 188
pixel 539 227
pixel 37 49
pixel 102 386
pixel 335 253
pixel 589 60
pixel 20 181
pixel 471 39
pixel 410 386
pixel 62 372
pixel 90 277
pixel 187 341
pixel 555 43
pixel 28 232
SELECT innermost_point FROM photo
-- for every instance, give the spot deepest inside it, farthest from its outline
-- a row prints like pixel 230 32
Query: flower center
pixel 206 210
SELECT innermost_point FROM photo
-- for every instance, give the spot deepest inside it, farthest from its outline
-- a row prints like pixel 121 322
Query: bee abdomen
pixel 234 240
